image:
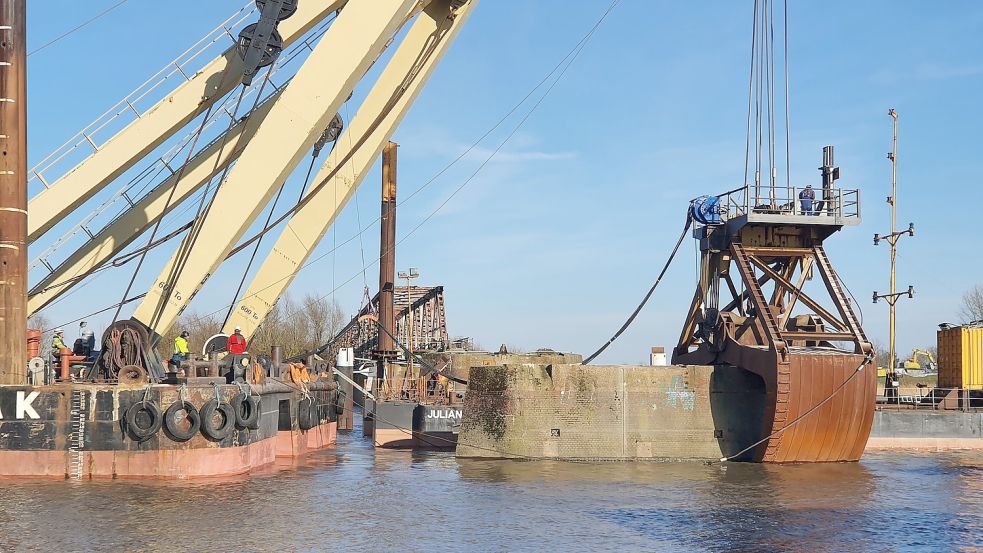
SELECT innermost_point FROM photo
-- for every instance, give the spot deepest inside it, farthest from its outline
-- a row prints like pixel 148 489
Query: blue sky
pixel 557 239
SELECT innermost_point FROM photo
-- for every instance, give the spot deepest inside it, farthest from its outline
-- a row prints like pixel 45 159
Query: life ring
pixel 246 410
pixel 208 427
pixel 171 426
pixel 306 414
pixel 142 432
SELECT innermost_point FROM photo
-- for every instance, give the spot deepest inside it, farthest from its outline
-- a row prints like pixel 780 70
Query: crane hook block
pixel 330 134
pixel 286 10
pixel 266 56
pixel 260 44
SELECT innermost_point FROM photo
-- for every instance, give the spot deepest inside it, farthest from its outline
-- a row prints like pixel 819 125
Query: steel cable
pixel 562 66
pixel 867 359
pixel 77 27
pixel 638 309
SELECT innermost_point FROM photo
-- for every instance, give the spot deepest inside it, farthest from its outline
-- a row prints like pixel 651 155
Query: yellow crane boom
pixel 296 120
pixel 153 127
pixel 378 117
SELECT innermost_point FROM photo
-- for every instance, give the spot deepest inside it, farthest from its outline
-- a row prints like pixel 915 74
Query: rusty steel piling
pixel 13 191
pixel 387 259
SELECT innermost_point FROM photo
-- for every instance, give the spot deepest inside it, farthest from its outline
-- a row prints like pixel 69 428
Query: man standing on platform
pixel 236 343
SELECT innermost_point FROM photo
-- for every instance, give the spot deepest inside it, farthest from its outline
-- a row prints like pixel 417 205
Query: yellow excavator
pixel 912 363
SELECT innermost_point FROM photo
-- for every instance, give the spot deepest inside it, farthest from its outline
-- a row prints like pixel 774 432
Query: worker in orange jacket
pixel 236 343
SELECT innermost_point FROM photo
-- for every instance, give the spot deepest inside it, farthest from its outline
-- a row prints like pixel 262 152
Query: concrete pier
pixel 571 411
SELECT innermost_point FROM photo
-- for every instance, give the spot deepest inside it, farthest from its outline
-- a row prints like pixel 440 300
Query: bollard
pixel 276 352
pixel 66 359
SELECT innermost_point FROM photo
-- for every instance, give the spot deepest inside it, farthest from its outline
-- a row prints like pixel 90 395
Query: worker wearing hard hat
pixel 58 340
pixel 181 351
pixel 236 343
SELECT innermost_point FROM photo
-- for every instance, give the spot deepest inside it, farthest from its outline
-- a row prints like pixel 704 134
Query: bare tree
pixel 324 319
pixel 972 306
pixel 882 356
pixel 201 327
pixel 41 322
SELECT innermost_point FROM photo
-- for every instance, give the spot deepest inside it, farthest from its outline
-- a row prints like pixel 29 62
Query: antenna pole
pixel 13 191
pixel 891 377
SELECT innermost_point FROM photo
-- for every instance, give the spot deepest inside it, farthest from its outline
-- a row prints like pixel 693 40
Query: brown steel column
pixel 387 258
pixel 13 191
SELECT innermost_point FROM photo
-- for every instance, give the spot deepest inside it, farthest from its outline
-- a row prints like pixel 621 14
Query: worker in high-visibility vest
pixel 57 343
pixel 181 351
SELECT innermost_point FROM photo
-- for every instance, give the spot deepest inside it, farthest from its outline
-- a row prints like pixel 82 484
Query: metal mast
pixel 13 191
pixel 891 379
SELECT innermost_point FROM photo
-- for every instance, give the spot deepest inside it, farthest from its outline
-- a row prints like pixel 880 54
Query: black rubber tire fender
pixel 208 411
pixel 247 411
pixel 170 421
pixel 138 432
pixel 330 408
pixel 256 406
pixel 305 413
pixel 339 404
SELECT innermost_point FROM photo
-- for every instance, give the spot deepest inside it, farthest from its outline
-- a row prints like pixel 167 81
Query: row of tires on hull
pixel 144 419
pixel 310 413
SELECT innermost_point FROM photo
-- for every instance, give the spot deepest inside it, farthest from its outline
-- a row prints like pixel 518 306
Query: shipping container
pixel 961 357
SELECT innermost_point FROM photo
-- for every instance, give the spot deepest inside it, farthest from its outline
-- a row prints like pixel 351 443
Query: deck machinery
pixel 754 309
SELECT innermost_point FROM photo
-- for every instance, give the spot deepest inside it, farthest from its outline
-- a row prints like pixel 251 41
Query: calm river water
pixel 354 498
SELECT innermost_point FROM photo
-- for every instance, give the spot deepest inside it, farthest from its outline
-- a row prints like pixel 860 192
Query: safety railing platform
pixel 782 205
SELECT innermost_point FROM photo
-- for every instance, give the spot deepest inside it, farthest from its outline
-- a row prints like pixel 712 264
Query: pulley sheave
pixel 288 8
pixel 274 45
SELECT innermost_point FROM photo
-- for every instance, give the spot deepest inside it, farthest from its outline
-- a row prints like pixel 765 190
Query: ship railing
pixel 421 389
pixel 934 399
pixel 133 105
pixel 161 168
pixel 836 202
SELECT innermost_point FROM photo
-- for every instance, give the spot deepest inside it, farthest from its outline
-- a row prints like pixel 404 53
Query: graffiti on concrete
pixel 678 395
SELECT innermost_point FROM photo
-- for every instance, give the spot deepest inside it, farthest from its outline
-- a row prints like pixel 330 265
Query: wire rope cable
pixel 638 309
pixel 562 66
pixel 867 359
pixel 77 28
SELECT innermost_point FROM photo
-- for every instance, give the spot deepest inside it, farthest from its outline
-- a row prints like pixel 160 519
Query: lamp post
pixel 891 378
pixel 410 275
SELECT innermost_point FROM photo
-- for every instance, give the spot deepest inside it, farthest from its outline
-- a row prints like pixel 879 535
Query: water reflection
pixel 354 497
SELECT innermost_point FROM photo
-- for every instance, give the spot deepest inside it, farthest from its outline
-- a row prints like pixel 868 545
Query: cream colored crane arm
pixel 296 120
pixel 122 231
pixel 412 64
pixel 154 126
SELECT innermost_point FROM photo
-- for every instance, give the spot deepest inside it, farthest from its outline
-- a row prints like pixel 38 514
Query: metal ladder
pixel 76 440
pixel 757 296
pixel 842 303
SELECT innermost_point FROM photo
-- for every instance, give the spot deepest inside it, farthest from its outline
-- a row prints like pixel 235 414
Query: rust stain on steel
pixel 13 192
pixel 835 431
pixel 819 406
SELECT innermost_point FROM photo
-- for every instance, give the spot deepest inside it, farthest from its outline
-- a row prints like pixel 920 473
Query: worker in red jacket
pixel 237 342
